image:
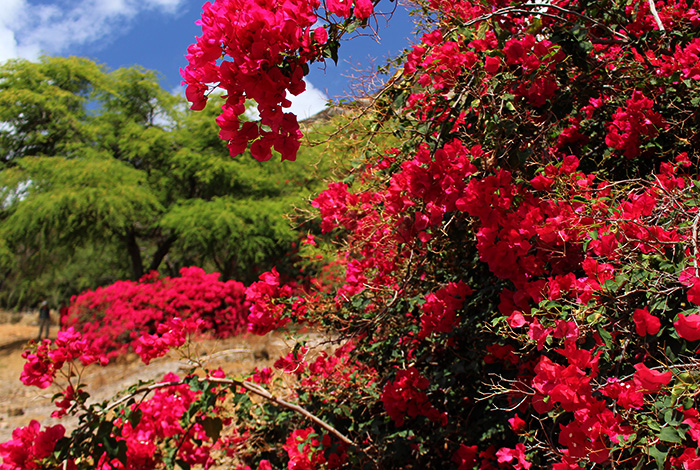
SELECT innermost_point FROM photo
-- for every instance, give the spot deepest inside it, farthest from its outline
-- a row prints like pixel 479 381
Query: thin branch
pixel 652 8
pixel 258 390
pixel 528 6
pixel 249 386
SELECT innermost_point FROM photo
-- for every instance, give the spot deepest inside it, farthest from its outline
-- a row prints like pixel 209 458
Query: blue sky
pixel 155 34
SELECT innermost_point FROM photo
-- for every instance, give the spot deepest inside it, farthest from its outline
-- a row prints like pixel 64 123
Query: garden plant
pixel 515 284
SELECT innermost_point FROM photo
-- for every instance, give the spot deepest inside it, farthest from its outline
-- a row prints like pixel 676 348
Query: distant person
pixel 44 319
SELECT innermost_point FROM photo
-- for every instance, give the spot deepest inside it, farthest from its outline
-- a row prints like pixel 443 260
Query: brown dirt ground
pixel 19 404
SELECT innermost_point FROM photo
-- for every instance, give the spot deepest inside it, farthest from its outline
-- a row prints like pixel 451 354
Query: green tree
pixel 43 106
pixel 111 162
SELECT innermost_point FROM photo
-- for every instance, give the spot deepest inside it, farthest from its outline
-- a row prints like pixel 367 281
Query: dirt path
pixel 17 402
pixel 20 404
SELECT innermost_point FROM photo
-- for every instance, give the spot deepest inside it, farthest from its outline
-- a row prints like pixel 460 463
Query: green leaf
pixel 659 456
pixel 653 425
pixel 104 430
pixel 135 417
pixel 669 418
pixel 605 336
pixel 669 434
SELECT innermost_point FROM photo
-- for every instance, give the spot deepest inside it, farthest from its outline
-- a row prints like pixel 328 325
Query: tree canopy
pixel 112 162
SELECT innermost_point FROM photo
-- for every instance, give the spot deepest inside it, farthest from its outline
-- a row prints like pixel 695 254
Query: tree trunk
pixel 229 266
pixel 132 247
pixel 160 253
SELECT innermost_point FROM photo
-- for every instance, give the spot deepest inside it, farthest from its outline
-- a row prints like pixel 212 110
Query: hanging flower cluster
pixel 266 47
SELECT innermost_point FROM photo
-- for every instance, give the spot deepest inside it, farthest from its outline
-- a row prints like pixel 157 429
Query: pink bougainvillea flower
pixel 516 320
pixel 363 9
pixel 340 7
pixel 320 35
pixel 29 445
pixel 688 327
pixel 516 457
pixel 687 277
pixel 302 448
pixel 517 424
pixel 645 323
pixel 650 381
pixel 294 362
pixel 39 370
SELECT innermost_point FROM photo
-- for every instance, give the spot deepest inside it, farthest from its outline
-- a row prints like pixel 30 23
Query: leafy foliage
pixel 110 159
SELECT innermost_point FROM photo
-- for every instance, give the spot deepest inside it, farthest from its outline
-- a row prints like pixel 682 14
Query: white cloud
pixel 303 106
pixel 308 103
pixel 9 15
pixel 169 6
pixel 28 30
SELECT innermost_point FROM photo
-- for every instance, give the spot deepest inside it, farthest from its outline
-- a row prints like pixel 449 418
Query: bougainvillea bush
pixel 130 315
pixel 521 276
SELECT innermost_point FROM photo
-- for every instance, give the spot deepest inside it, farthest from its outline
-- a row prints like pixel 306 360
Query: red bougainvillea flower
pixel 29 445
pixel 465 457
pixel 574 439
pixel 302 449
pixel 688 327
pixel 645 323
pixel 440 309
pixel 688 459
pixel 692 419
pixel 650 381
pixel 492 64
pixel 689 279
pixel 625 393
pixel 404 396
pixel 516 320
pixel 632 123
